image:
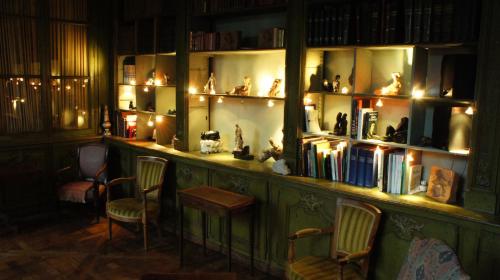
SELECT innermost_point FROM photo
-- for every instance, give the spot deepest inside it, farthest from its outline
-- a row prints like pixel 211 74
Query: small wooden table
pixel 218 202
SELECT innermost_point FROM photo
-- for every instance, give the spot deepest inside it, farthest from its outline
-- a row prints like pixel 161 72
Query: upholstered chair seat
pixel 352 239
pixel 319 268
pixel 131 208
pixel 79 192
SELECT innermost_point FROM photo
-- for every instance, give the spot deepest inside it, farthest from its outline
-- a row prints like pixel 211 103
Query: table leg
pixel 229 233
pixel 252 237
pixel 181 241
pixel 204 228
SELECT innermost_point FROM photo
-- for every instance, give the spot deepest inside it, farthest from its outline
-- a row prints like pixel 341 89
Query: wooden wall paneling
pixel 188 176
pixel 483 192
pixel 246 185
pixel 182 79
pixel 295 64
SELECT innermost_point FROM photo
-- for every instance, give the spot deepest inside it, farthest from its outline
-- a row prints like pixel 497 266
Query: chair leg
pixel 145 226
pixel 110 225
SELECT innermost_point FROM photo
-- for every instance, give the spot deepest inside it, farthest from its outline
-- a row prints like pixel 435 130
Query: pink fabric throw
pixel 75 191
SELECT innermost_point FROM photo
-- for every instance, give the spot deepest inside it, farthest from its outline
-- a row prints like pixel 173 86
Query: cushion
pixel 130 208
pixel 318 268
pixel 431 259
pixel 79 191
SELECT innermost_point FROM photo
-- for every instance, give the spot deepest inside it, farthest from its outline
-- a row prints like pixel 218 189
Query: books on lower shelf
pixel 323 158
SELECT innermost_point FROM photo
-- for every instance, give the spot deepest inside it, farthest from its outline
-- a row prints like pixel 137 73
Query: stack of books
pixel 323 158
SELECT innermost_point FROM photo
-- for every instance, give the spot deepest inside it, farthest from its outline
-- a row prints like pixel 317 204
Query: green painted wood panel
pixel 293 208
pixel 189 176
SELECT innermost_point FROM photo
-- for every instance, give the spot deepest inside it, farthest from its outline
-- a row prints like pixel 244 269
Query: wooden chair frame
pixel 342 258
pixel 143 193
pixel 95 179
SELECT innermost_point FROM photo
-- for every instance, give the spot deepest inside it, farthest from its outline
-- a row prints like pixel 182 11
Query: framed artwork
pixel 442 184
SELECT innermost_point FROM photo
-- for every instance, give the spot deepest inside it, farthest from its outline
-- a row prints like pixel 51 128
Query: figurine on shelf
pixel 398 134
pixel 275 88
pixel 336 84
pixel 106 124
pixel 240 151
pixel 131 105
pixel 274 151
pixel 340 128
pixel 244 89
pixel 394 88
pixel 280 167
pixel 210 85
pixel 238 139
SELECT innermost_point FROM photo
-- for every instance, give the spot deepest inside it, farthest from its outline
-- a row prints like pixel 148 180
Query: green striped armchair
pixel 145 206
pixel 352 240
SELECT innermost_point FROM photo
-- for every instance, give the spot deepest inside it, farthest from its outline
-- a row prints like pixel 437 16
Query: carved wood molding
pixel 311 204
pixel 406 228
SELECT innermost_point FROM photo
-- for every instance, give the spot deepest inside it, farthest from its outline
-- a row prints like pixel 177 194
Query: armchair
pixel 146 204
pixel 92 175
pixel 352 239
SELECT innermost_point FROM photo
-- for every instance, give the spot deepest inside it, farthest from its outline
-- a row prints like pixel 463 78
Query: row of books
pixel 385 168
pixel 211 41
pixel 271 38
pixel 393 21
pixel 323 158
pixel 220 6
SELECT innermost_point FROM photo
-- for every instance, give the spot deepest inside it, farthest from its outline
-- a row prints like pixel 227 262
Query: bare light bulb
pixel 219 100
pixel 345 90
pixel 379 103
pixel 270 103
pixel 202 98
pixel 417 93
pixel 192 90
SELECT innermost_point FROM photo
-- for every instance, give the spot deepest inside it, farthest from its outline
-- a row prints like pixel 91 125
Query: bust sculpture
pixel 244 89
pixel 238 139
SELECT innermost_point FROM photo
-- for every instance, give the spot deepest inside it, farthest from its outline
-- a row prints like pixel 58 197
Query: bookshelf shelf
pixel 239 52
pixel 239 96
pixel 444 100
pixel 243 11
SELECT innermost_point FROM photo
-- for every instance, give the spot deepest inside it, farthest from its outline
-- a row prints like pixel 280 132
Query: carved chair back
pixel 356 224
pixel 150 172
pixel 91 157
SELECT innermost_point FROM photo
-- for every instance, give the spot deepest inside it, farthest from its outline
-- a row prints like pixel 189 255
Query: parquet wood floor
pixel 76 248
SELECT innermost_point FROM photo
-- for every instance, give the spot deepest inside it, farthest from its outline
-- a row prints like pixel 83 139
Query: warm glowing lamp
pixel 345 90
pixel 417 93
pixel 192 90
pixel 219 100
pixel 379 103
pixel 150 122
pixel 270 103
pixel 469 111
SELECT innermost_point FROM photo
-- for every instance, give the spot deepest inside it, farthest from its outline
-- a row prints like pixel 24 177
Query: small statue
pixel 336 84
pixel 210 85
pixel 394 88
pixel 398 134
pixel 240 151
pixel 275 152
pixel 275 88
pixel 340 128
pixel 131 105
pixel 238 139
pixel 106 124
pixel 244 89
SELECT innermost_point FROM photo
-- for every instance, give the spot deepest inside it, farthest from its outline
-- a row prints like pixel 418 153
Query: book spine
pixel 333 26
pixel 369 165
pixel 310 28
pixel 316 28
pixel 353 166
pixel 347 24
pixel 437 17
pixel 361 167
pixel 417 21
pixel 340 25
pixel 321 26
pixel 375 23
pixel 426 21
pixel 447 22
pixel 408 10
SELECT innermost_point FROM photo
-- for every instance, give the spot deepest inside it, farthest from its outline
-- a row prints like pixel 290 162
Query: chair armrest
pixel 308 232
pixel 150 189
pixel 117 181
pixel 355 256
pixel 101 170
pixel 62 170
